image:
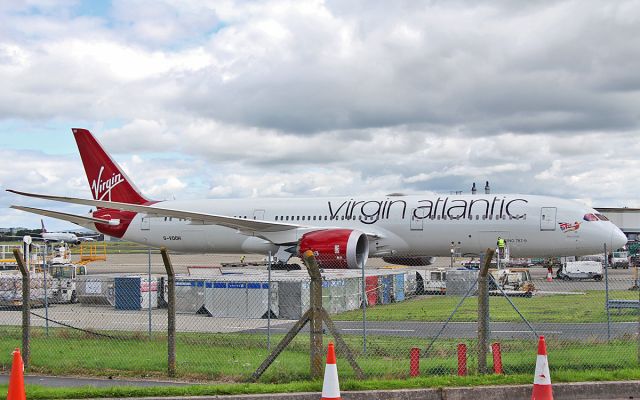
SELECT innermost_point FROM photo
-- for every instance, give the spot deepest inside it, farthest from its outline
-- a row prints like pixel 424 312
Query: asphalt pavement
pixel 69 381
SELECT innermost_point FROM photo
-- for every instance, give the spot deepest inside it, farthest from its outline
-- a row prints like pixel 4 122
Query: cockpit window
pixel 590 217
pixel 602 217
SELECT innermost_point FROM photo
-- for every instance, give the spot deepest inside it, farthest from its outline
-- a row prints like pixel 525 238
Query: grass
pixel 234 357
pixel 228 360
pixel 573 308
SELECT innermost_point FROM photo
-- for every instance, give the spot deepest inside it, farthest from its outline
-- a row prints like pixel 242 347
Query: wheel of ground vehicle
pixel 597 278
pixel 74 297
pixel 566 278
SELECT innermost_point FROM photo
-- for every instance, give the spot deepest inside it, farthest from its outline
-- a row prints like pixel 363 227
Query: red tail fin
pixel 106 180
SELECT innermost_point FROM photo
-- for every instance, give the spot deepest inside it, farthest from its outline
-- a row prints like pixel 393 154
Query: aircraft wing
pixel 230 222
pixel 275 232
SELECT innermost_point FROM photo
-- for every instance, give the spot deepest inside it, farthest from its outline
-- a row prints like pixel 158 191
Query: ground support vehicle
pixel 63 282
pixel 432 281
pixel 512 281
pixel 580 270
pixel 620 259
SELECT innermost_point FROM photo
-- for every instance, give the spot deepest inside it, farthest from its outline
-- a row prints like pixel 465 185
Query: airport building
pixel 627 219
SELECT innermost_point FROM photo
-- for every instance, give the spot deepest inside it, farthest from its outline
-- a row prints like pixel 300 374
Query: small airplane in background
pixel 67 237
pixel 343 232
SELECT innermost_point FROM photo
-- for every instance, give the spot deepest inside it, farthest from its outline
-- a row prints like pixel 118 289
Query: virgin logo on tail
pixel 102 188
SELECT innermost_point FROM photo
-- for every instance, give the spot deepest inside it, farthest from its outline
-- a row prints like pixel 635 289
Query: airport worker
pixel 500 246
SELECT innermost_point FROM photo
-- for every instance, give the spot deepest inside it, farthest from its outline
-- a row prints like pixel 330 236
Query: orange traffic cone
pixel 542 379
pixel 331 386
pixel 16 379
pixel 549 275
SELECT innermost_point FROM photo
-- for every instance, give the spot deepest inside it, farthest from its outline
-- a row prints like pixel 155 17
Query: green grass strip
pixel 39 392
pixel 565 308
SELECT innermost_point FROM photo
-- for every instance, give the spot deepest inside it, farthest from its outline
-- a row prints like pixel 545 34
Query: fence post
pixel 315 320
pixel 483 312
pixel 171 313
pixel 149 287
pixel 365 300
pixel 269 303
pixel 26 308
pixel 606 291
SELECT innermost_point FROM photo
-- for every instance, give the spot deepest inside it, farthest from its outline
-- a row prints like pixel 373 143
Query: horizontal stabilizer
pixel 76 219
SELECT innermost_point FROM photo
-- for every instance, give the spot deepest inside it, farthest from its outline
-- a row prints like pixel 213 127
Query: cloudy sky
pixel 308 98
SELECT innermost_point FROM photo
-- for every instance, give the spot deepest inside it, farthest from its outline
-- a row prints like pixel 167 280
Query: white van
pixel 581 270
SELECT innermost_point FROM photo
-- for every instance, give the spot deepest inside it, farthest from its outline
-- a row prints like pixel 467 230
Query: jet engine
pixel 336 248
pixel 410 261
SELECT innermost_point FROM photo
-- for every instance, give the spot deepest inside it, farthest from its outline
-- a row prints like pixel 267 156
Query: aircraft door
pixel 548 218
pixel 258 214
pixel 145 224
pixel 417 219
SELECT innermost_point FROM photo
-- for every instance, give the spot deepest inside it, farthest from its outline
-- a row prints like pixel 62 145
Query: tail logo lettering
pixel 102 188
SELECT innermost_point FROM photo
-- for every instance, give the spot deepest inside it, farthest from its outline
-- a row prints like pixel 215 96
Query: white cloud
pixel 286 98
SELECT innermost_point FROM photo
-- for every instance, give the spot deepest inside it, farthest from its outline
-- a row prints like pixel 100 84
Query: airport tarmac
pixel 619 279
pixel 67 381
pixel 85 317
pixel 108 318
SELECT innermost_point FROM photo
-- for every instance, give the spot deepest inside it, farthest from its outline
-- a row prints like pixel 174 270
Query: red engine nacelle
pixel 336 248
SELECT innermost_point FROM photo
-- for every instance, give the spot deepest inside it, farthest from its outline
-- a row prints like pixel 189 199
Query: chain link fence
pixel 417 321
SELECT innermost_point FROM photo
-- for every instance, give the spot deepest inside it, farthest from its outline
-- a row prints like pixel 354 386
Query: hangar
pixel 627 219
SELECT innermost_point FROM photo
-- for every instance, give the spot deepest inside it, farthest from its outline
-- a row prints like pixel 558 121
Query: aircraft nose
pixel 618 238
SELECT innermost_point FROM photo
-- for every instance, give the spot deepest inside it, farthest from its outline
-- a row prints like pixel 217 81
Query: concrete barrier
pixel 561 391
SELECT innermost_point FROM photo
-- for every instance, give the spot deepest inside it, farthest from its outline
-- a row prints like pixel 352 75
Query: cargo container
pixel 237 299
pixel 461 281
pixel 96 290
pixel 189 295
pixel 135 293
pixel 353 293
pixel 385 289
pixel 371 286
pixel 398 287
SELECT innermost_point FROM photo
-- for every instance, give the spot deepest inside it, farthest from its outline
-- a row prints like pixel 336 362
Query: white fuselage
pixel 411 225
pixel 59 237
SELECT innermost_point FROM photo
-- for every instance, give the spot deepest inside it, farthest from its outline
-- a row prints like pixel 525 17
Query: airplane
pixel 64 237
pixel 343 232
pixel 67 237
